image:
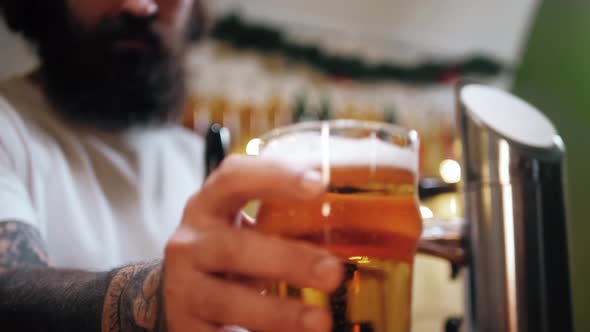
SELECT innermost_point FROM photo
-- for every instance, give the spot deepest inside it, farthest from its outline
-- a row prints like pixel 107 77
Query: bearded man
pixel 105 223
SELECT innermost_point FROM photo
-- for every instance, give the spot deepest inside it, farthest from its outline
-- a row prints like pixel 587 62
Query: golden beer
pixel 369 218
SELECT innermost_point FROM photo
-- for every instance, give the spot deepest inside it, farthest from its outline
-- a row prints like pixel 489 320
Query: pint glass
pixel 369 217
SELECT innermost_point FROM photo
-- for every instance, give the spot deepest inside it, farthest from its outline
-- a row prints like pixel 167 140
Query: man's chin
pixel 116 110
pixel 116 98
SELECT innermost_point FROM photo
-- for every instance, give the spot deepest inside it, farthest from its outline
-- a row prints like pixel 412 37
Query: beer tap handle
pixel 442 238
pixel 450 250
pixel 453 324
pixel 217 144
pixel 430 187
pixel 445 238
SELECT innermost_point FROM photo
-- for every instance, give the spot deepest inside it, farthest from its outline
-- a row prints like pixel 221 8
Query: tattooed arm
pixel 36 297
pixel 191 289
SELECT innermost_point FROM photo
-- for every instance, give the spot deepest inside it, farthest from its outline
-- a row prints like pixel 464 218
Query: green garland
pixel 233 30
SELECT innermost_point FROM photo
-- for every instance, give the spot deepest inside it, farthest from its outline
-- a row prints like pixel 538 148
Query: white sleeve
pixel 15 199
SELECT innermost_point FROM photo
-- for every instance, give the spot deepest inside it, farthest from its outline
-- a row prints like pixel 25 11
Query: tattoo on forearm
pixel 124 300
pixel 21 247
pixel 133 301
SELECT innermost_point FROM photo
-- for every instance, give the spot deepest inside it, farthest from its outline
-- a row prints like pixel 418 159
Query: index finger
pixel 242 179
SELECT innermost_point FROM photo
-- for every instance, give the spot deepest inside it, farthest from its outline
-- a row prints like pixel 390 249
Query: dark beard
pixel 94 84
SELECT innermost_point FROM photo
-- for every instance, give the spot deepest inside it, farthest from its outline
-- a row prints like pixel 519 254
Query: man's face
pixel 171 16
pixel 114 64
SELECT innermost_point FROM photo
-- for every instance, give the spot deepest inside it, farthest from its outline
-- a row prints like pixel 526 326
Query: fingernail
pixel 315 320
pixel 326 266
pixel 312 182
pixel 152 8
pixel 233 329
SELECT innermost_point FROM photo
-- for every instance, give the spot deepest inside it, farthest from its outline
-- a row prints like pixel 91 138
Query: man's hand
pixel 207 246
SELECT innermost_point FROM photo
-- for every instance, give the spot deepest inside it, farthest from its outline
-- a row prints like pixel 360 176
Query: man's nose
pixel 139 8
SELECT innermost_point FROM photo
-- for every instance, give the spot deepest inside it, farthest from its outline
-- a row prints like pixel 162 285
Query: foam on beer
pixel 309 149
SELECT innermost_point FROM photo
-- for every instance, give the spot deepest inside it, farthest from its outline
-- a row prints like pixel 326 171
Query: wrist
pixel 134 299
pixel 161 323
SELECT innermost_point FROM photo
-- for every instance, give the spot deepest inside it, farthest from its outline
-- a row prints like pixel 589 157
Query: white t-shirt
pixel 99 200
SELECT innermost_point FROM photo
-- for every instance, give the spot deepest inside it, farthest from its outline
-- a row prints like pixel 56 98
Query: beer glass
pixel 369 217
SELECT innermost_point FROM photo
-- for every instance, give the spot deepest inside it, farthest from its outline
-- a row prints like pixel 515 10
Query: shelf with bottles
pixel 250 94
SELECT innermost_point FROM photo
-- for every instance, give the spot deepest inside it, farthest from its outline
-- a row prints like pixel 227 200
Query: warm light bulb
pixel 326 210
pixel 453 206
pixel 253 147
pixel 450 171
pixel 426 212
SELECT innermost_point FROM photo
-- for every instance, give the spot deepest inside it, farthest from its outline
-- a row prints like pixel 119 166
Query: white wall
pixel 404 29
pixel 16 57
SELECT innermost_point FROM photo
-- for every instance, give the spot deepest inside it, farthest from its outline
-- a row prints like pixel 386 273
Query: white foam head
pixel 509 116
pixel 312 149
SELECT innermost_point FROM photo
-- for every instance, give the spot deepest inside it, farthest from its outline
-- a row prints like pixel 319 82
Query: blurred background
pixel 268 63
pixel 554 75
